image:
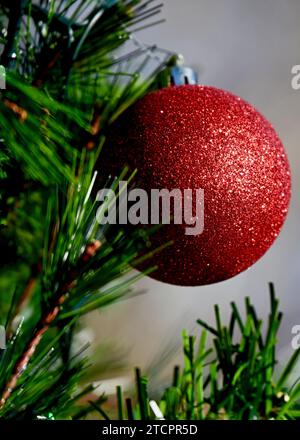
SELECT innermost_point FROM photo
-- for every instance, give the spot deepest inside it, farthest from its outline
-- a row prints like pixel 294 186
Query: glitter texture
pixel 202 137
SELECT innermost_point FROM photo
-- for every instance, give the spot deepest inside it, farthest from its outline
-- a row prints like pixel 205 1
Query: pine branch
pixel 69 275
pixel 239 372
pixel 44 325
pixel 24 297
pixel 53 118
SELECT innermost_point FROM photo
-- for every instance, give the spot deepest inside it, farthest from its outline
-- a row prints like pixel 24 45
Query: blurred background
pixel 247 47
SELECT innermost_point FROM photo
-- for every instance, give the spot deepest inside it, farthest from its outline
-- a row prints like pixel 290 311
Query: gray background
pixel 249 48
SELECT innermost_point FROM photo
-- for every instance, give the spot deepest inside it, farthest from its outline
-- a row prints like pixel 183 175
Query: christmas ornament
pixel 192 137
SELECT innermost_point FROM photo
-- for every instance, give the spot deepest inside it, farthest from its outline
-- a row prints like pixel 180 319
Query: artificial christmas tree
pixel 66 83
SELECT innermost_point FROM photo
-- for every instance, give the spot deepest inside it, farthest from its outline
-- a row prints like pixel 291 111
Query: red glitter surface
pixel 202 137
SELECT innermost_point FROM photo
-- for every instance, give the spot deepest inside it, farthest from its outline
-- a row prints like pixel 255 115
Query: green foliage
pixel 234 379
pixel 69 75
pixel 73 66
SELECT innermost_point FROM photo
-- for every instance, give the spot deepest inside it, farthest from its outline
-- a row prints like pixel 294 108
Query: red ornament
pixel 202 137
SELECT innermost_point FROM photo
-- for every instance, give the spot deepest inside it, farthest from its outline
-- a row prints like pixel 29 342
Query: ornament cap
pixel 176 73
pixel 181 75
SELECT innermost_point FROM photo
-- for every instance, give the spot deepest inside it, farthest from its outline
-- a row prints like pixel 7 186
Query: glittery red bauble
pixel 202 137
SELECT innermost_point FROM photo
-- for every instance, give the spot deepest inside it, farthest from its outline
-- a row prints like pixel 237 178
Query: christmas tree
pixel 70 69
